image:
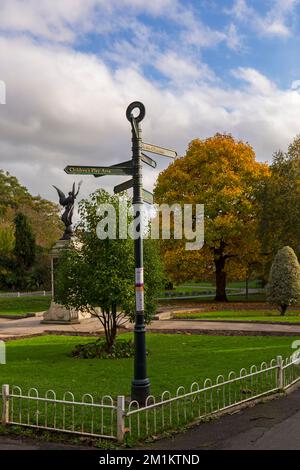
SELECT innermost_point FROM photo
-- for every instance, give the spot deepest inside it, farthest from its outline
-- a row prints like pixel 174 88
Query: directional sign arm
pixel 123 186
pixel 117 165
pixel 148 160
pixel 97 170
pixel 147 196
pixel 159 150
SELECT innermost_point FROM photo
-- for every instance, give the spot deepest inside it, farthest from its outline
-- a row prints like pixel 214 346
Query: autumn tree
pixel 43 217
pixel 221 173
pixel 283 288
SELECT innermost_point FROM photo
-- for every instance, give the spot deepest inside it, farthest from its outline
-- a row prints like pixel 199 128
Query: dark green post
pixel 140 388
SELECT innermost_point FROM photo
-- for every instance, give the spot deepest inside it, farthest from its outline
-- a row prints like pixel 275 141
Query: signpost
pixel 140 389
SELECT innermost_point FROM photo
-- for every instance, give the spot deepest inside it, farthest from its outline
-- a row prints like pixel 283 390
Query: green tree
pixel 283 288
pixel 43 217
pixel 279 221
pixel 97 276
pixel 25 248
pixel 7 239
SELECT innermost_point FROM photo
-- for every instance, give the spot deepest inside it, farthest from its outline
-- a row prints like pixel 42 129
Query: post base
pixel 140 390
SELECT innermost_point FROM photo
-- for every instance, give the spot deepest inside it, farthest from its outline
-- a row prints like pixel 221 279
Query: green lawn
pixel 205 285
pixel 243 315
pixel 44 362
pixel 206 299
pixel 22 305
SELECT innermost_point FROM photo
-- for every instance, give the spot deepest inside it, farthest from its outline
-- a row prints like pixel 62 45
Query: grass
pixel 44 362
pixel 23 305
pixel 206 299
pixel 20 306
pixel 243 315
pixel 190 286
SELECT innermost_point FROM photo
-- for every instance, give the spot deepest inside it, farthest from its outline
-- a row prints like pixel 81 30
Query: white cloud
pixel 276 22
pixel 69 21
pixel 65 107
pixel 53 20
pixel 181 70
pixel 295 85
pixel 233 38
pixel 258 82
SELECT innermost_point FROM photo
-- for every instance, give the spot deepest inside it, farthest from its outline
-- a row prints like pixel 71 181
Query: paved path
pixel 225 328
pixel 266 426
pixel 32 326
pixel 23 443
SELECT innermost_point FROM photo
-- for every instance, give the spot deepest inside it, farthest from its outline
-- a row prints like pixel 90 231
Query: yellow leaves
pixel 221 173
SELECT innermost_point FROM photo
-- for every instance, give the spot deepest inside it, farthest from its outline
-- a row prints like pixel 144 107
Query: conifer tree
pixel 283 288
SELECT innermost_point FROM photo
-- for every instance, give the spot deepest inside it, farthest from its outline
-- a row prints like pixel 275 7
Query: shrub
pixel 283 288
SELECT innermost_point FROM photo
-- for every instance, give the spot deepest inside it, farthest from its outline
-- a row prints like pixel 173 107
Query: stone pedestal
pixel 60 315
pixel 57 314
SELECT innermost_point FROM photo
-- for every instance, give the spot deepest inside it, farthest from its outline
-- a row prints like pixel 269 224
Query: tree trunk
pixel 247 288
pixel 109 322
pixel 220 279
pixel 111 332
pixel 283 308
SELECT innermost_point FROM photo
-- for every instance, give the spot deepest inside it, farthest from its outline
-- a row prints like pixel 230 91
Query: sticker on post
pixel 139 276
pixel 139 299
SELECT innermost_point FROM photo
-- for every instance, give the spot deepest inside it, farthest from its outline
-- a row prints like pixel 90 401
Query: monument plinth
pixel 58 314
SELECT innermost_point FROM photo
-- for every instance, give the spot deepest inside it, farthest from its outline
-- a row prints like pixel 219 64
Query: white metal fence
pixel 85 416
pixel 41 293
pixel 112 419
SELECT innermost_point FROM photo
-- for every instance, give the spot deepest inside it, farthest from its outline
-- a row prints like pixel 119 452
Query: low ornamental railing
pixel 84 417
pixel 41 293
pixel 113 419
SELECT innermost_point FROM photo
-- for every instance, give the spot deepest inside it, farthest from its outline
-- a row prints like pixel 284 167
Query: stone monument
pixel 58 314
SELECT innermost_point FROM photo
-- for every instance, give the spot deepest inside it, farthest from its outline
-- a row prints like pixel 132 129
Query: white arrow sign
pixel 159 150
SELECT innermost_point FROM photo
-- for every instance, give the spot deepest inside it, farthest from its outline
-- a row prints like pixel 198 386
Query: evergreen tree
pixel 25 248
pixel 283 288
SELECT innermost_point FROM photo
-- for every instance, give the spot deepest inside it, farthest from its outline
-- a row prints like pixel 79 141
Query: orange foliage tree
pixel 221 173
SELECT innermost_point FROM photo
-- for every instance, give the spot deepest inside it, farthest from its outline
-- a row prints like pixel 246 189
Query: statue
pixel 68 203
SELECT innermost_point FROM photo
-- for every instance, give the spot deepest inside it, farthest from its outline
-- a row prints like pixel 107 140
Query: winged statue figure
pixel 68 203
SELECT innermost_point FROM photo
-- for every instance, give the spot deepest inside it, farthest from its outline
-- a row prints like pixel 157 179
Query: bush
pixel 283 288
pixel 99 350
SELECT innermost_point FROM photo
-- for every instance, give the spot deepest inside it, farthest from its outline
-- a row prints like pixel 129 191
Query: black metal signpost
pixel 140 389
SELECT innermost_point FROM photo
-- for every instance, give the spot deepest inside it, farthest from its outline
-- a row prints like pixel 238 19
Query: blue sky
pixel 72 67
pixel 259 34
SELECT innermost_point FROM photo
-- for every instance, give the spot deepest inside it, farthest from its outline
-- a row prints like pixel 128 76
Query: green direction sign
pixel 147 197
pixel 97 170
pixel 148 160
pixel 159 150
pixel 127 164
pixel 123 186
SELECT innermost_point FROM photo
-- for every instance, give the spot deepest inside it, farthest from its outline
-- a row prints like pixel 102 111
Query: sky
pixel 70 68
